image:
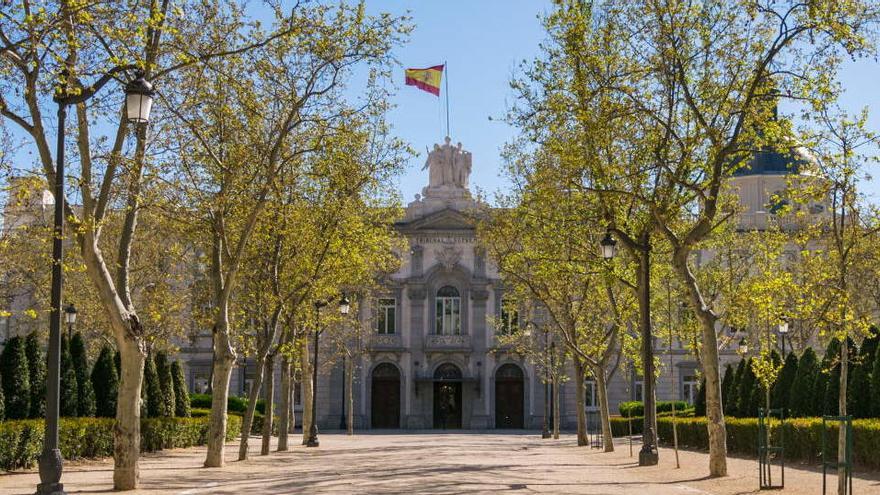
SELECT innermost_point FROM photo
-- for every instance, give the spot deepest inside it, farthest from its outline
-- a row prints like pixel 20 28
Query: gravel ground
pixel 431 463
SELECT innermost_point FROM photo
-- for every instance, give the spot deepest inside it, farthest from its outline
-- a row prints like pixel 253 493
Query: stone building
pixel 431 358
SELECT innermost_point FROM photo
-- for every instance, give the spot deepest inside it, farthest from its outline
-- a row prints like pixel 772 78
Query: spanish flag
pixel 426 79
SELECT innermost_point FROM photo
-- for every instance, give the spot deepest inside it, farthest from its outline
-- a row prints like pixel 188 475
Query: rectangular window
pixel 509 317
pixel 591 400
pixel 638 390
pixel 448 317
pixel 689 385
pixel 386 317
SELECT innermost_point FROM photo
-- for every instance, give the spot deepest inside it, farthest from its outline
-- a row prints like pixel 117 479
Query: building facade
pixel 431 358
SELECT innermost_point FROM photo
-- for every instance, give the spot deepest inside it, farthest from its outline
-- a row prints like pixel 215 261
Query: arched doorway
pixel 509 397
pixel 447 397
pixel 385 397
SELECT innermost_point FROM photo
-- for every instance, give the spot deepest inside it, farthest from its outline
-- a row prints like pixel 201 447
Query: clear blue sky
pixel 483 41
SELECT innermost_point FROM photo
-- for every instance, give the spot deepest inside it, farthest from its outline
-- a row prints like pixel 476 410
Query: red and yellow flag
pixel 426 79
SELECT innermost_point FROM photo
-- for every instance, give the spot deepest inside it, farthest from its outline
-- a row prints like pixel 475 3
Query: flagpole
pixel 446 70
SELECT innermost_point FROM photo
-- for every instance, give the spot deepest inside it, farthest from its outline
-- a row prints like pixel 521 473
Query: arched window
pixel 447 320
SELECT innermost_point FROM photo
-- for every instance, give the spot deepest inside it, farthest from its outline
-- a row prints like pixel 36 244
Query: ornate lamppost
pixel 344 307
pixel 783 332
pixel 545 433
pixel 70 319
pixel 138 102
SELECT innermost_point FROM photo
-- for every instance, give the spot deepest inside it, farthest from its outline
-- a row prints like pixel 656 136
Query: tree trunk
pixel 555 407
pixel 285 416
pixel 270 403
pixel 841 405
pixel 349 377
pixel 604 412
pixel 649 395
pixel 224 361
pixel 128 335
pixel 717 430
pixel 307 394
pixel 127 431
pixel 248 421
pixel 580 402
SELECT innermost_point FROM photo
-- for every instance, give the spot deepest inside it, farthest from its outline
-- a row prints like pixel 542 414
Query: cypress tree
pixel 85 394
pixel 801 397
pixel 700 401
pixel 16 383
pixel 181 395
pixel 155 404
pixel 36 374
pixel 859 384
pixel 747 385
pixel 875 386
pixel 732 404
pixel 105 382
pixel 826 370
pixel 725 387
pixel 782 389
pixel 2 401
pixel 166 383
pixel 869 346
pixel 69 402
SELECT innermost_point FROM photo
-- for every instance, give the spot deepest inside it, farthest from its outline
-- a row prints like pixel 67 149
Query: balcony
pixel 448 343
pixel 385 342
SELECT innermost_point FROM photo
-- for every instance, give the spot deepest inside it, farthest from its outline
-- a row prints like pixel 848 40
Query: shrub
pixel 700 402
pixel 859 388
pixel 237 405
pixel 16 384
pixel 2 402
pixel 802 397
pixel 105 382
pixel 725 387
pixel 21 441
pixel 181 397
pixel 731 402
pixel 875 386
pixel 69 402
pixel 166 384
pixel 36 374
pixel 154 402
pixel 746 384
pixel 803 437
pixel 85 394
pixel 636 408
pixel 781 393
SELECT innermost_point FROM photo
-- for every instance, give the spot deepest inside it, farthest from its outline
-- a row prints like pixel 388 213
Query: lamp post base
pixel 546 434
pixel 312 442
pixel 51 464
pixel 648 457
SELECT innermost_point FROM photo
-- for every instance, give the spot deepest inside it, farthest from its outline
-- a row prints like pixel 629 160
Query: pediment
pixel 447 219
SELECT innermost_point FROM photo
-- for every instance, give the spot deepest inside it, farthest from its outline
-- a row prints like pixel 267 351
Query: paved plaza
pixel 432 463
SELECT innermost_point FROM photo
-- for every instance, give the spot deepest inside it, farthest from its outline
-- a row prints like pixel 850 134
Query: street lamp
pixel 70 319
pixel 609 246
pixel 344 308
pixel 138 102
pixel 744 346
pixel 783 331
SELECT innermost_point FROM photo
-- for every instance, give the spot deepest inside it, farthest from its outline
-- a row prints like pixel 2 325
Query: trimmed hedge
pixel 21 441
pixel 636 408
pixel 803 437
pixel 233 404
